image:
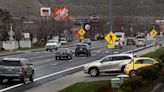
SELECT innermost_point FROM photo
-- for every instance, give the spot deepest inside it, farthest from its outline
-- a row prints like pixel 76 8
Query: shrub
pixel 149 73
pixel 134 84
pixel 39 44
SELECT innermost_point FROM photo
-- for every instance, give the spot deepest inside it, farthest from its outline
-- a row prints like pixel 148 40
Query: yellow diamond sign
pixel 110 38
pixel 153 33
pixel 82 32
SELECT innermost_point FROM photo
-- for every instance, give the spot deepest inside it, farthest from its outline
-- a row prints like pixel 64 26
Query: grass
pixel 87 86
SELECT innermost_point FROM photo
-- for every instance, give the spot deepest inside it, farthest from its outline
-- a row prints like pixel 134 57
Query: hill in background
pixel 86 7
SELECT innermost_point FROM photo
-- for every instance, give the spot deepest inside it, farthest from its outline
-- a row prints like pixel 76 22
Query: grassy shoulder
pixel 88 86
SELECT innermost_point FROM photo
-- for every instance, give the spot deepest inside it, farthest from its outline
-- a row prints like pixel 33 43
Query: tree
pixel 5 19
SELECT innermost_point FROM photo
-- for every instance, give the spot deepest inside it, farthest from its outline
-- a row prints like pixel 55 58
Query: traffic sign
pixel 82 32
pixel 111 46
pixel 87 27
pixel 153 33
pixel 81 37
pixel 110 38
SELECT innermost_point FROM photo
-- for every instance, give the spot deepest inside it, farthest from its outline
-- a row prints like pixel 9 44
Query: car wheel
pixel 56 58
pixel 94 72
pixel 1 80
pixel 31 78
pixel 132 73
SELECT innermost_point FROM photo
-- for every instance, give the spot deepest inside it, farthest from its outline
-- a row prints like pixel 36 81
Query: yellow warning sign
pixel 82 32
pixel 110 38
pixel 153 33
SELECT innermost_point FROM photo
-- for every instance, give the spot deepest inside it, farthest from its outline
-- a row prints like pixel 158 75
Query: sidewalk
pixel 64 82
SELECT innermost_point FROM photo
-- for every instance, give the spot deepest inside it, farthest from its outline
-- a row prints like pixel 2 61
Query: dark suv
pixel 83 49
pixel 16 68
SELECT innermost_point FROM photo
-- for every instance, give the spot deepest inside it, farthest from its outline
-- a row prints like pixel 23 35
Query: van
pixel 120 36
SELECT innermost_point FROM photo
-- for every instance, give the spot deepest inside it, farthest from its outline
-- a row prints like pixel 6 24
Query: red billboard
pixel 61 14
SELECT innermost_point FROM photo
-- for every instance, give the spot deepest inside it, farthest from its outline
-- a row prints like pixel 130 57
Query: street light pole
pixel 110 15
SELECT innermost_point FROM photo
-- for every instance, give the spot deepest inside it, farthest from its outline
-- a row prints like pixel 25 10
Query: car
pixel 140 42
pixel 109 63
pixel 16 68
pixel 83 49
pixel 63 53
pixel 87 41
pixel 131 41
pixel 138 63
pixel 52 45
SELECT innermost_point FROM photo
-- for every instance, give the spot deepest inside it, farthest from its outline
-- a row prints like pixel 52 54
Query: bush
pixel 134 84
pixel 149 73
pixel 39 44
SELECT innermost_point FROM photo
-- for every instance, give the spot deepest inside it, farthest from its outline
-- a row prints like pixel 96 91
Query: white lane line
pixel 54 64
pixel 39 62
pixel 70 60
pixel 116 52
pixel 41 56
pixel 93 54
pixel 106 51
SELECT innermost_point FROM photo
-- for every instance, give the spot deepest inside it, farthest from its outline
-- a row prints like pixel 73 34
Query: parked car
pixel 83 49
pixel 137 64
pixel 87 41
pixel 52 45
pixel 131 41
pixel 110 63
pixel 63 53
pixel 16 68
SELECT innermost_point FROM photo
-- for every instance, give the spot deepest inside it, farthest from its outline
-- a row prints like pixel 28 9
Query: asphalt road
pixel 48 69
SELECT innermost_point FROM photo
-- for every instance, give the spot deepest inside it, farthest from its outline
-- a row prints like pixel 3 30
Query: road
pixel 48 69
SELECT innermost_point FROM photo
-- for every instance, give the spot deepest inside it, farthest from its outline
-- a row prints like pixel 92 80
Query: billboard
pixel 61 14
pixel 45 11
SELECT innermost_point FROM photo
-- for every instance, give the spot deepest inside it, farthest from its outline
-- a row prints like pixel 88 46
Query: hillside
pixel 86 7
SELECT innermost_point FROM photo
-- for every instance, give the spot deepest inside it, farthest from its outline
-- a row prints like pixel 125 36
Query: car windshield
pixel 10 63
pixel 62 50
pixel 54 41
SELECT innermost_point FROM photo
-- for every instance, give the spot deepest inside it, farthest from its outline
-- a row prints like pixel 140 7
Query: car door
pixel 105 64
pixel 143 63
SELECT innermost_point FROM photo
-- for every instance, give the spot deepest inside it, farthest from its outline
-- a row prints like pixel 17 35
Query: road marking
pixel 93 54
pixel 106 51
pixel 39 62
pixel 54 64
pixel 116 52
pixel 70 60
pixel 41 56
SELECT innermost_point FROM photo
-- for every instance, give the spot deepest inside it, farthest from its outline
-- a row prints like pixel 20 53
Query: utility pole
pixel 110 15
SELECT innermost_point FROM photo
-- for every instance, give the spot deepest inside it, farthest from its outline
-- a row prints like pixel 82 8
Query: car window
pixel 10 63
pixel 107 59
pixel 120 58
pixel 144 61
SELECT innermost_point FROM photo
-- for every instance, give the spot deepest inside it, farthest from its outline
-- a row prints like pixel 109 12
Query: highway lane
pixel 50 65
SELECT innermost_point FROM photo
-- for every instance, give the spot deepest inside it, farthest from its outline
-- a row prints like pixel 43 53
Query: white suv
pixel 52 44
pixel 110 63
